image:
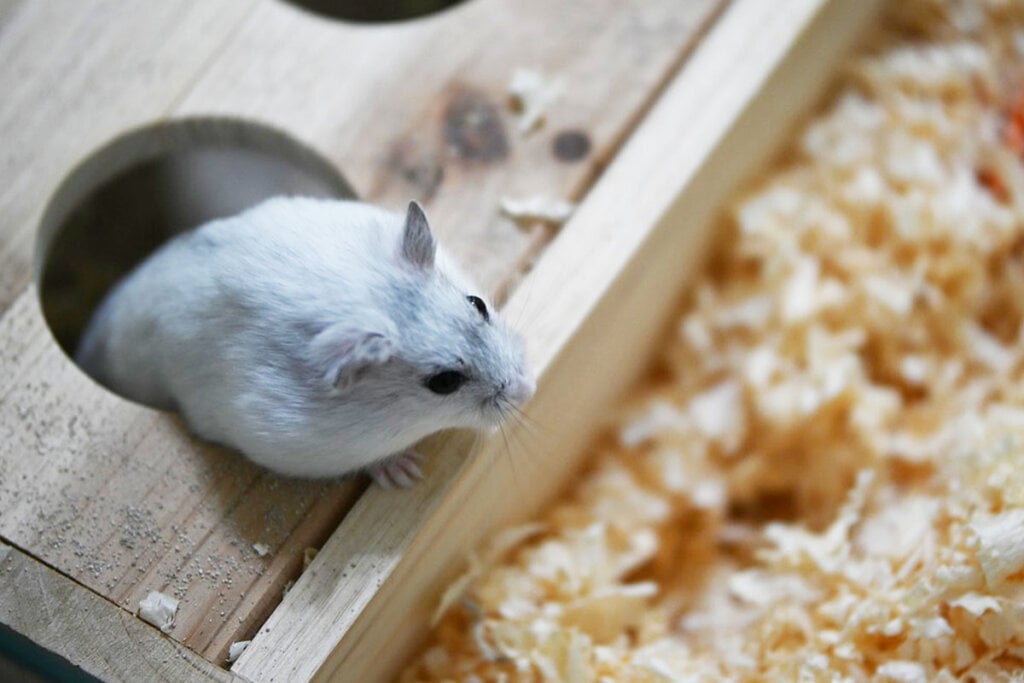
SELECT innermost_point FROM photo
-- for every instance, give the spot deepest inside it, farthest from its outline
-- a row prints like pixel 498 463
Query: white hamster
pixel 316 336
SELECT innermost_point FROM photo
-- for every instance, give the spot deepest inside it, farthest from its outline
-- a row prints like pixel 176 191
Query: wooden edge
pixel 149 142
pixel 90 632
pixel 592 311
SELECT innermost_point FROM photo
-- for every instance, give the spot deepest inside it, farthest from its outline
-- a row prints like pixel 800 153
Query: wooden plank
pixel 122 499
pixel 119 497
pixel 86 630
pixel 382 101
pixel 77 74
pixel 399 108
pixel 757 70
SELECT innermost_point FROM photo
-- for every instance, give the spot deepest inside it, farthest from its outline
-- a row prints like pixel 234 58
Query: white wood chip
pixel 533 94
pixel 158 609
pixel 537 208
pixel 1001 545
pixel 235 650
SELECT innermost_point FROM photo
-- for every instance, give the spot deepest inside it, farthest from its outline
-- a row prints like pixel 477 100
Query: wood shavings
pixel 898 529
pixel 1001 545
pixel 235 650
pixel 502 543
pixel 825 481
pixel 532 95
pixel 976 604
pixel 537 209
pixel 902 672
pixel 604 615
pixel 158 609
pixel 719 414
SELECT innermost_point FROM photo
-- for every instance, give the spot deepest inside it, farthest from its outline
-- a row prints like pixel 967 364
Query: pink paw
pixel 400 471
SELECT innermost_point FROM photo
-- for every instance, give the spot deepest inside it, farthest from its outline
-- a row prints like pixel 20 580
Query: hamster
pixel 317 337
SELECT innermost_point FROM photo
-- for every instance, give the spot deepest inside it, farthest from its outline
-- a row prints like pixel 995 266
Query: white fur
pixel 222 324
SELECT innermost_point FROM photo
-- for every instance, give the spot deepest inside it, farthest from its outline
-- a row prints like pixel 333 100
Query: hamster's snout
pixel 519 389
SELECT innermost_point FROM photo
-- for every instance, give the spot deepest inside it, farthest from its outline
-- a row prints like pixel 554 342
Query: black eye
pixel 447 382
pixel 480 306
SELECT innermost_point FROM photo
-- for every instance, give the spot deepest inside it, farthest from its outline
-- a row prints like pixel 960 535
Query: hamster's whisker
pixel 508 456
pixel 529 423
pixel 504 408
pixel 525 438
pixel 515 416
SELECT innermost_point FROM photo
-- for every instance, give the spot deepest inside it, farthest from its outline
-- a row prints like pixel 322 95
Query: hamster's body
pixel 308 334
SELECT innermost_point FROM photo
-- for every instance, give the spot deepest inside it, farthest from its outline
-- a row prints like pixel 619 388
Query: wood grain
pixel 59 615
pixel 76 75
pixel 118 497
pixel 125 502
pixel 420 109
pixel 374 585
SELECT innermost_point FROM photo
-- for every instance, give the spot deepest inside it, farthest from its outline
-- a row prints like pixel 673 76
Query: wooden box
pixel 666 107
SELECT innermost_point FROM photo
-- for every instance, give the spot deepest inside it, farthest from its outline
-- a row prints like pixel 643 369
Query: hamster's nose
pixel 519 389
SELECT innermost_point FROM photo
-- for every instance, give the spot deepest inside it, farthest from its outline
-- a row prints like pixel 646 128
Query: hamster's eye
pixel 447 382
pixel 480 306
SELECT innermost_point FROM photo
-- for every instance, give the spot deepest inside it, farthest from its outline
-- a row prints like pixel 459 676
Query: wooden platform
pixel 119 500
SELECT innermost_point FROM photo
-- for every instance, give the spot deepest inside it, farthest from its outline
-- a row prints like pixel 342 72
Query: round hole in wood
pixel 123 201
pixel 374 11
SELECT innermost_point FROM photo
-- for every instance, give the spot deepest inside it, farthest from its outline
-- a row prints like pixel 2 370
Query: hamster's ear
pixel 418 245
pixel 344 353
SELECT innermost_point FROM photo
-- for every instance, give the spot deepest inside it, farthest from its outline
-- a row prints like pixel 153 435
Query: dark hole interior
pixel 374 11
pixel 126 218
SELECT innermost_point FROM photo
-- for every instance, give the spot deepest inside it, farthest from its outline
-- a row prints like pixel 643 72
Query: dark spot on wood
pixel 571 145
pixel 419 167
pixel 473 129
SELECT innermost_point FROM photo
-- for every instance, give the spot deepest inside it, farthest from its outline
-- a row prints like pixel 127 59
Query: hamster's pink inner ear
pixel 418 244
pixel 343 353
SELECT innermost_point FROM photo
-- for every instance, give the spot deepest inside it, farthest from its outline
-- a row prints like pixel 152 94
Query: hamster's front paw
pixel 401 470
